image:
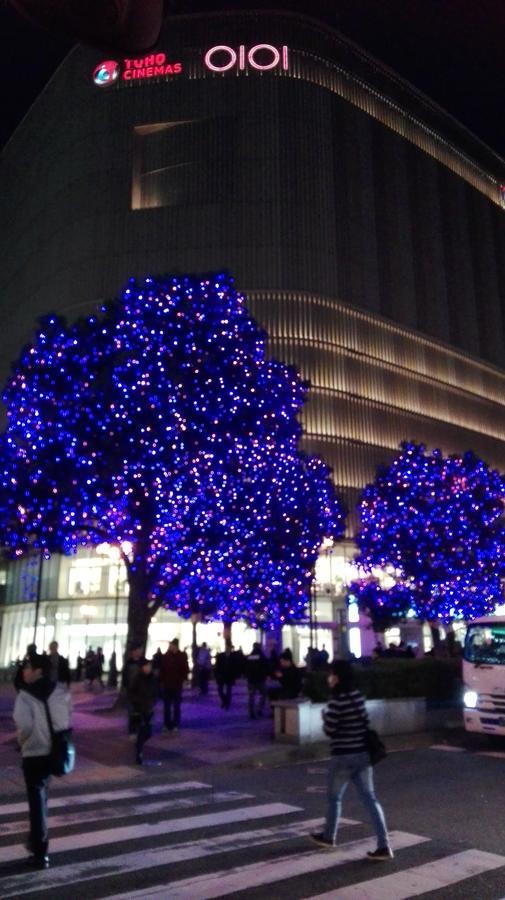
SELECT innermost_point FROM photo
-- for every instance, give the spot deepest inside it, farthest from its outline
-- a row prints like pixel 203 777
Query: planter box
pixel 398 716
pixel 300 722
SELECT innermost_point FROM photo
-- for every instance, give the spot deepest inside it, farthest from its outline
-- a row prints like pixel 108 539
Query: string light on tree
pixel 437 522
pixel 161 422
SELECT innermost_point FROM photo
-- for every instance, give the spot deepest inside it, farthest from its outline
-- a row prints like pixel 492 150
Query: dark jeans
pixel 224 690
pixel 260 689
pixel 37 775
pixel 353 767
pixel 144 732
pixel 133 719
pixel 172 707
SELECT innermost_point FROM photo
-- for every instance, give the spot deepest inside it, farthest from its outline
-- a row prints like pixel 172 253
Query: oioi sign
pixel 262 57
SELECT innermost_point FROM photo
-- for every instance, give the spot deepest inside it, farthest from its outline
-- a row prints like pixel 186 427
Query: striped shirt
pixel 345 722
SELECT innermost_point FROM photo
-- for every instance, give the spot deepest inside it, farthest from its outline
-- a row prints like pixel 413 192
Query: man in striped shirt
pixel 345 721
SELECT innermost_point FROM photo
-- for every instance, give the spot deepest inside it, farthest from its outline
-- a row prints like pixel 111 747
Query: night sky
pixel 450 49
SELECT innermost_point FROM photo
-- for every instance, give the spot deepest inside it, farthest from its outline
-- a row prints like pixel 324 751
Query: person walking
pixel 345 722
pixel 256 671
pixel 173 673
pixel 226 671
pixel 142 697
pixel 100 663
pixel 112 674
pixel 79 667
pixel 90 669
pixel 34 737
pixel 130 671
pixel 59 669
pixel 203 668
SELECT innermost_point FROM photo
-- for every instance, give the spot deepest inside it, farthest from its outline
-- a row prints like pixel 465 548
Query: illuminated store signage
pixel 153 66
pixel 150 67
pixel 261 57
pixel 221 58
pixel 106 72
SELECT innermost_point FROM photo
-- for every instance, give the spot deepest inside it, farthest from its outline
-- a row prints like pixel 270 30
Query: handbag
pixel 375 747
pixel 62 755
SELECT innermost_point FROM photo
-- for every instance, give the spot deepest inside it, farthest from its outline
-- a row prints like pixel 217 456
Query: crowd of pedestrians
pixel 43 705
pixel 90 668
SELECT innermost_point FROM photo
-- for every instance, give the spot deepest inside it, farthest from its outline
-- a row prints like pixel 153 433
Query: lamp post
pixel 38 595
pixel 311 614
pixel 195 618
pixel 115 554
pixel 88 612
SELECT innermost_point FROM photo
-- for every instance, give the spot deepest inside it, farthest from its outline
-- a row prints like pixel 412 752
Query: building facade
pixel 364 224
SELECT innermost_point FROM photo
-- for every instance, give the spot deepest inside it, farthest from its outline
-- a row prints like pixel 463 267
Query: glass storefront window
pixel 85 578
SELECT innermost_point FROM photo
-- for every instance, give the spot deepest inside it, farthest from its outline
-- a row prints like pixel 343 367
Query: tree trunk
pixel 139 617
pixel 435 635
pixel 227 633
pixel 139 612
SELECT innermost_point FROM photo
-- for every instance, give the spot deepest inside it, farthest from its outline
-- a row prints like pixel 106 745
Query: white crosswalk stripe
pixel 219 884
pixel 449 748
pixel 123 863
pixel 108 857
pixel 7 809
pixel 153 829
pixel 135 809
pixel 418 880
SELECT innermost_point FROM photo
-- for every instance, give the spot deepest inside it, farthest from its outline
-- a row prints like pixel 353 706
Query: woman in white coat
pixel 34 738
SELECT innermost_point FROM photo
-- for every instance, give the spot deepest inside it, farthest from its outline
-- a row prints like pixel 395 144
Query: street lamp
pixel 38 594
pixel 88 612
pixel 114 553
pixel 194 618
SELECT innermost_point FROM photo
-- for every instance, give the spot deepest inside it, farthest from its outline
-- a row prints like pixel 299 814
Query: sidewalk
pixel 209 736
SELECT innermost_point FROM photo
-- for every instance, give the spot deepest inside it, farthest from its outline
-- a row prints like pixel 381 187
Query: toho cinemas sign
pixel 220 58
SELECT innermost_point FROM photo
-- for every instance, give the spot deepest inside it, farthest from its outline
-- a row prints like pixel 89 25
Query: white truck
pixel 484 675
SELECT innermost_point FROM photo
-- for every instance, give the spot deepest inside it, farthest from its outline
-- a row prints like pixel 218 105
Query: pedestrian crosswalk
pixel 187 839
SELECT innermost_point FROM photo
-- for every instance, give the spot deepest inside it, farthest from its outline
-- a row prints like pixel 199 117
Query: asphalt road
pixel 242 832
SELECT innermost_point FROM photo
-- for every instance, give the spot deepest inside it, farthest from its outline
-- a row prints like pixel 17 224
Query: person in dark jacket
pixel 31 652
pixel 345 722
pixel 288 677
pixel 142 697
pixel 256 671
pixel 112 674
pixel 34 737
pixel 100 663
pixel 227 670
pixel 203 668
pixel 130 671
pixel 173 673
pixel 59 669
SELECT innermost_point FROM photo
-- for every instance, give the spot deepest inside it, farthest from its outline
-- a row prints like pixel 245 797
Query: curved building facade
pixel 364 224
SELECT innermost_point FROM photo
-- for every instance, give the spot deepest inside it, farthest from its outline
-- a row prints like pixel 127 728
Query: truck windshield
pixel 485 644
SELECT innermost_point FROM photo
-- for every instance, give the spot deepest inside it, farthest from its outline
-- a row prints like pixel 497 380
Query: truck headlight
pixel 470 699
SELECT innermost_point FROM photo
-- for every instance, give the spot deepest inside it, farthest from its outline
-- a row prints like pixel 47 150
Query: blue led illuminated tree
pixel 161 422
pixel 434 526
